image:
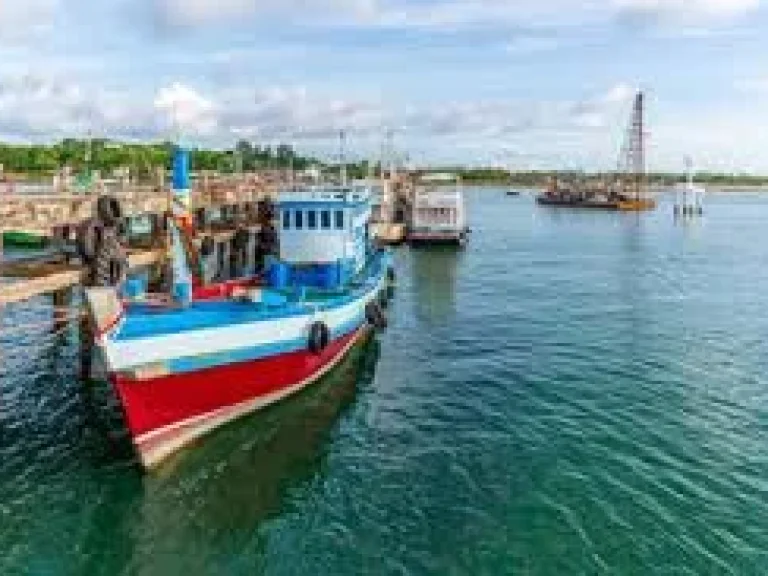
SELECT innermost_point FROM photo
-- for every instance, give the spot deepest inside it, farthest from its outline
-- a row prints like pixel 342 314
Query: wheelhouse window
pixel 325 219
pixel 286 219
pixel 339 215
pixel 311 219
pixel 299 219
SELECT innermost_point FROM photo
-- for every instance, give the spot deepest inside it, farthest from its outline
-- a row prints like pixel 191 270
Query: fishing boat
pixel 198 360
pixel 438 214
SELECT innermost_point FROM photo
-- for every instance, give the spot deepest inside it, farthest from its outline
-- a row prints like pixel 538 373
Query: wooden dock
pixel 56 271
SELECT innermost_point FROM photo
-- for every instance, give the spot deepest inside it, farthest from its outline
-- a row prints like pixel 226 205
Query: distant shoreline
pixel 656 189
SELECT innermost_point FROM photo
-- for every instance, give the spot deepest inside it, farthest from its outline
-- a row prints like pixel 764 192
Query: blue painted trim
pixel 143 321
pixel 253 353
pixel 320 204
pixel 181 171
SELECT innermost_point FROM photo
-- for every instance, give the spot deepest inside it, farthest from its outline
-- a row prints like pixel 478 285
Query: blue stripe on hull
pixel 143 321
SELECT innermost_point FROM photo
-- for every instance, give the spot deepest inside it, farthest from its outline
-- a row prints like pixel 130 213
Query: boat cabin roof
pixel 323 195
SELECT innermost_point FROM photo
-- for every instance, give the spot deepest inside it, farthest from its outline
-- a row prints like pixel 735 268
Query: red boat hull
pixel 167 412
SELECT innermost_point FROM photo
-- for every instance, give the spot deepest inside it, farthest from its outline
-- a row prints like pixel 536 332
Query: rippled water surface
pixel 576 393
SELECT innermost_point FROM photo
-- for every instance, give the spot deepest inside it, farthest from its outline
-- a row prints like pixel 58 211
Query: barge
pixel 624 190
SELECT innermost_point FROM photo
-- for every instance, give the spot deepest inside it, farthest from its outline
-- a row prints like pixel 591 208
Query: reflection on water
pixel 433 276
pixel 56 428
pixel 245 473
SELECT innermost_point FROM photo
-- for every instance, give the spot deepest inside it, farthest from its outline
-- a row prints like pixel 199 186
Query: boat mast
pixel 180 227
pixel 342 159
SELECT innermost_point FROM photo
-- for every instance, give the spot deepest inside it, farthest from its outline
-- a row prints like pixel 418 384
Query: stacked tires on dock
pixel 99 245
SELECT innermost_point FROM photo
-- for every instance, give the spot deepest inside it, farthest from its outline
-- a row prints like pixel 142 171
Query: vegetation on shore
pixel 106 156
pixel 142 159
pixel 536 179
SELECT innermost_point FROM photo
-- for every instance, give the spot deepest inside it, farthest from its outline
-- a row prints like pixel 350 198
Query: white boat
pixel 438 214
pixel 689 197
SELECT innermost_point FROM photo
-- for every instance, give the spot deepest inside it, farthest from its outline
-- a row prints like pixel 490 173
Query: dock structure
pixel 56 217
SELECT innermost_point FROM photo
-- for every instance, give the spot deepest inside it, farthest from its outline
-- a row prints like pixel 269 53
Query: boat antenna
pixel 391 153
pixel 291 159
pixel 342 159
pixel 688 170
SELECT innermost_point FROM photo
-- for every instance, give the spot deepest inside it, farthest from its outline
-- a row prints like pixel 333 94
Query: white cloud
pixel 533 45
pixel 188 13
pixel 201 12
pixel 688 10
pixel 35 106
pixel 20 19
pixel 753 85
pixel 578 133
pixel 619 94
pixel 455 14
pixel 186 109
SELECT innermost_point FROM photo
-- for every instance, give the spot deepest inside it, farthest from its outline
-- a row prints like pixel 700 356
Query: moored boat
pixel 438 213
pixel 188 365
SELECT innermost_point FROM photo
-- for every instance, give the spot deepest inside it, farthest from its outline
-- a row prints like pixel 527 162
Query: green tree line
pixel 537 178
pixel 142 159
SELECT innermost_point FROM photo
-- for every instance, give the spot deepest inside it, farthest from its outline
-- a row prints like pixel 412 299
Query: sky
pixel 524 84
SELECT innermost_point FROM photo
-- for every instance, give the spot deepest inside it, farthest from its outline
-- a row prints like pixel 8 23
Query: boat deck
pixel 147 320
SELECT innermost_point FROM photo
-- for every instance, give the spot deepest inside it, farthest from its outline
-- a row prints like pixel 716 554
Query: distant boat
pixel 626 192
pixel 689 196
pixel 513 192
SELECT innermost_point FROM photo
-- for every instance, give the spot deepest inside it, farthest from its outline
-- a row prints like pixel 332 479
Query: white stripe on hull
pixel 130 354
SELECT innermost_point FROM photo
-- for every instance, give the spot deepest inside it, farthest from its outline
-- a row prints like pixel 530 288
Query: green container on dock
pixel 21 239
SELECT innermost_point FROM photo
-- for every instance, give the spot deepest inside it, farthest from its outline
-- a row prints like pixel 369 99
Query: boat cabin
pixel 324 236
pixel 438 207
pixel 382 198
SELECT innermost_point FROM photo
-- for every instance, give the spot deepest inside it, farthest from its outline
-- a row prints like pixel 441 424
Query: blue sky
pixel 520 83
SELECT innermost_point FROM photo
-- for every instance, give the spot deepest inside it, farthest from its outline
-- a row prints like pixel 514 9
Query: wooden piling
pixel 62 300
pixel 86 348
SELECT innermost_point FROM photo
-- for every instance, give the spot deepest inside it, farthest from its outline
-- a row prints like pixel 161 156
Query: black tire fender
pixel 88 238
pixel 201 218
pixel 374 315
pixel 110 263
pixel 319 337
pixel 108 210
pixel 240 239
pixel 266 209
pixel 207 246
